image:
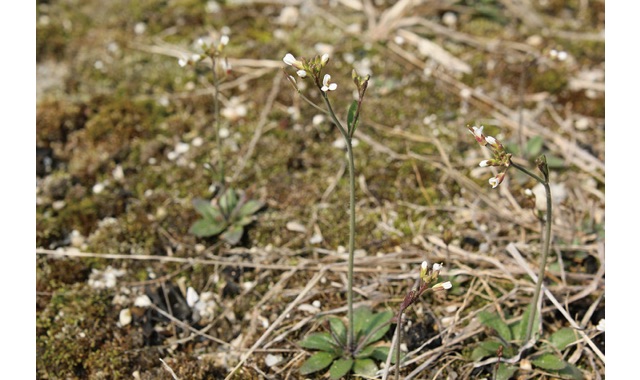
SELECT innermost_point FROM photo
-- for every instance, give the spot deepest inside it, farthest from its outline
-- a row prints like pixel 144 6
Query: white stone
pixel 125 317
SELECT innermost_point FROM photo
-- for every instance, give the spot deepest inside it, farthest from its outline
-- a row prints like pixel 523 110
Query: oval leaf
pixel 549 362
pixel 365 367
pixel 319 341
pixel 250 208
pixel 563 337
pixel 233 234
pixel 340 367
pixel 378 326
pixel 505 371
pixel 494 321
pixel 339 330
pixel 205 228
pixel 316 362
pixel 204 208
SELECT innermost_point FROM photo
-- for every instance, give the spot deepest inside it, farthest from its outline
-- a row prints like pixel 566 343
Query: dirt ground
pixel 127 139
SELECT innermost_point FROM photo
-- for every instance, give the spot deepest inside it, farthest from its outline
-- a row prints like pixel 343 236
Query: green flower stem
pixel 545 250
pixel 216 107
pixel 352 220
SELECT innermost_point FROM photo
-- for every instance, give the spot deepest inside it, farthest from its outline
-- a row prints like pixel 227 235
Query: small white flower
pixel 484 163
pixel 447 285
pixel 490 140
pixel 494 182
pixel 424 265
pixel 600 326
pixel 326 86
pixel 437 267
pixel 201 43
pixel 224 40
pixel 301 73
pixel 182 62
pixel 290 60
pixel 477 131
pixel 324 59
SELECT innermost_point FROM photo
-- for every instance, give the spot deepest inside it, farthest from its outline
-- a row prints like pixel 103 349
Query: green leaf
pixel 361 317
pixel 505 371
pixel 233 234
pixel 571 371
pixel 228 201
pixel 378 326
pixel 486 348
pixel 534 146
pixel 521 328
pixel 339 329
pixel 340 367
pixel 563 337
pixel 205 228
pixel 365 352
pixel 204 208
pixel 365 367
pixel 244 221
pixel 250 207
pixel 382 352
pixel 351 115
pixel 494 321
pixel 549 362
pixel 319 341
pixel 316 362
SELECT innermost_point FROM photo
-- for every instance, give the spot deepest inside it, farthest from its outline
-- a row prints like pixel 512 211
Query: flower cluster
pixel 209 50
pixel 311 68
pixel 427 277
pixel 500 155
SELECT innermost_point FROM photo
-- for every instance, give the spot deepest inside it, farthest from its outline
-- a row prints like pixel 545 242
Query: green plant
pixel 504 345
pixel 502 158
pixel 369 328
pixel 423 284
pixel 232 211
pixel 349 349
pixel 227 217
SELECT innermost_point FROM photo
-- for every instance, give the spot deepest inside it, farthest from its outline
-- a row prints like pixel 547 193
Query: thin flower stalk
pixel 502 158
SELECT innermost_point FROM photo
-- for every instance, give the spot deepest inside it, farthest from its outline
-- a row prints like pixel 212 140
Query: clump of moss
pixel 77 323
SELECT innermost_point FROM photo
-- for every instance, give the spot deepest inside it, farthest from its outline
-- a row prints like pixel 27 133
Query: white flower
pixel 442 286
pixel 326 86
pixel 324 59
pixel 494 182
pixel 224 40
pixel 301 73
pixel 182 62
pixel 484 163
pixel 437 267
pixel 424 265
pixel 290 60
pixel 477 132
pixel 600 326
pixel 490 140
pixel 447 285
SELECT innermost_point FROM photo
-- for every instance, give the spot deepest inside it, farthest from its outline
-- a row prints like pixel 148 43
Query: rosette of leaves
pixel 227 217
pixel 332 350
pixel 548 357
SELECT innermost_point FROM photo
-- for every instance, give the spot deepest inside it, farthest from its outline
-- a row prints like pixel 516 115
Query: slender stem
pixel 545 252
pixel 352 221
pixel 399 330
pixel 216 107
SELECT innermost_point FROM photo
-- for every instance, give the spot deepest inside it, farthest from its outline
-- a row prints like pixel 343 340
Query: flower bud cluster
pixel 311 68
pixel 213 51
pixel 501 157
pixel 427 277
